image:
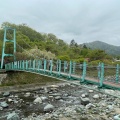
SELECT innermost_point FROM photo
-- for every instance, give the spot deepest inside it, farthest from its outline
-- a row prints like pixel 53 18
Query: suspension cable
pixel 27 51
pixel 26 43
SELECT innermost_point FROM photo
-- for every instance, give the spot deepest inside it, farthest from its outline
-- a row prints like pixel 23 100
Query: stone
pixel 45 90
pixel 90 105
pixel 27 94
pixel 65 95
pixel 117 117
pixel 13 116
pixel 10 100
pixel 85 101
pixel 38 100
pixel 110 107
pixel 34 115
pixel 4 104
pixel 6 94
pixel 96 96
pixel 56 94
pixel 109 91
pixel 83 96
pixel 54 86
pixel 48 108
pixel 1 108
pixel 90 91
pixel 57 97
pixel 15 101
pixel 44 98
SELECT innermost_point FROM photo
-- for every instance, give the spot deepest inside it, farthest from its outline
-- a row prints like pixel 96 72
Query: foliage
pixel 64 57
pixel 37 53
pixel 33 45
pixel 95 62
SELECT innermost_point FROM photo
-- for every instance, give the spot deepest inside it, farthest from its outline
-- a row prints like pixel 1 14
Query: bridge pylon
pixel 6 39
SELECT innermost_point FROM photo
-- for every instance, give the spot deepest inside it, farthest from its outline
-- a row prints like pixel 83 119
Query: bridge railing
pixel 99 74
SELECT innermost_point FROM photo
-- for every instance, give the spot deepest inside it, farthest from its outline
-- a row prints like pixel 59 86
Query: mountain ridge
pixel 110 49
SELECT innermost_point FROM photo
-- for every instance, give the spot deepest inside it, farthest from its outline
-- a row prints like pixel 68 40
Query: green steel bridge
pixel 101 75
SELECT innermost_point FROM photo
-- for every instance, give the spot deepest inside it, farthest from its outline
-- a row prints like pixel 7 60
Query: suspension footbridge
pixel 101 75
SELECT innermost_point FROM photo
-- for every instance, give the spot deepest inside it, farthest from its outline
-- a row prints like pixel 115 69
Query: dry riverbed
pixel 60 101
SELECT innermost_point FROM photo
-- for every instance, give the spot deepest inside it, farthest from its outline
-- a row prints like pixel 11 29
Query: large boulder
pixel 13 116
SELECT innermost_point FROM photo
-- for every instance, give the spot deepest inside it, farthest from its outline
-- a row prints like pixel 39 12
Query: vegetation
pixel 33 45
pixel 22 78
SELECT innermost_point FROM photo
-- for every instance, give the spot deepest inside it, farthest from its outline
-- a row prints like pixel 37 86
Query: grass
pixel 22 78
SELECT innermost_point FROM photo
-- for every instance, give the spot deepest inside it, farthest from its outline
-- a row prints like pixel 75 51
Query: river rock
pixel 110 107
pixel 27 94
pixel 1 108
pixel 38 100
pixel 6 94
pixel 117 117
pixel 48 108
pixel 13 116
pixel 54 86
pixel 57 97
pixel 85 101
pixel 90 105
pixel 10 100
pixel 83 95
pixel 4 104
pixel 44 98
pixel 90 91
pixel 96 96
pixel 109 91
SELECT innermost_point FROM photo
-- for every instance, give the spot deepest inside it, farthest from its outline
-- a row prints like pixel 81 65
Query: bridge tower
pixel 6 39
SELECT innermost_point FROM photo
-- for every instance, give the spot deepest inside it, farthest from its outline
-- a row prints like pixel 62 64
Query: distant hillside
pixel 110 49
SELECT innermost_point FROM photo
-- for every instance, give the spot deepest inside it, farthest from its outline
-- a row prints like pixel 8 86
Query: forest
pixel 32 44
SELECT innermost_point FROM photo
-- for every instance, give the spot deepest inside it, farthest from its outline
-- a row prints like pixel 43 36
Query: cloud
pixel 81 20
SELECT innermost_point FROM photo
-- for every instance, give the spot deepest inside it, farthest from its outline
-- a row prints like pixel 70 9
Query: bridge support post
pixel 45 65
pixel 26 64
pixel 15 64
pixel 99 70
pixel 41 67
pixel 57 63
pixel 65 66
pixel 12 66
pixel 38 65
pixel 59 68
pixel 51 66
pixel 102 75
pixel 84 71
pixel 18 64
pixel 70 70
pixel 73 67
pixel 33 65
pixel 4 44
pixel 23 64
pixel 117 73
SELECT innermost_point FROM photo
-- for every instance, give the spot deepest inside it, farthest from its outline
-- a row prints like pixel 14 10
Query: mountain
pixel 110 49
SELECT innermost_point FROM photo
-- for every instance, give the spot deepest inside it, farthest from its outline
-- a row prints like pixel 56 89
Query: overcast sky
pixel 81 20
